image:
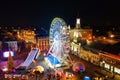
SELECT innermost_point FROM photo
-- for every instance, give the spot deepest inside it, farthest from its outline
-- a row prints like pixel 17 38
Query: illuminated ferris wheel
pixel 59 39
pixel 58 30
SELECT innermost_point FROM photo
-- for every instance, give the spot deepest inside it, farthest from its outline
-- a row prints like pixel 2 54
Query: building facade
pixel 27 35
pixel 12 45
pixel 90 56
pixel 110 62
pixel 78 36
pixel 43 44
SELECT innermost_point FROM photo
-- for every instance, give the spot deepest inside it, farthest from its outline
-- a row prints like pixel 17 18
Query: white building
pixel 12 45
pixel 78 36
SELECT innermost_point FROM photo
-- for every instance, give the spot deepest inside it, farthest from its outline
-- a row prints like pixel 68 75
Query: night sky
pixel 42 12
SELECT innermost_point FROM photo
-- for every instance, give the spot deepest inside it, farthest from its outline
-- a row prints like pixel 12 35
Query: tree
pixel 10 63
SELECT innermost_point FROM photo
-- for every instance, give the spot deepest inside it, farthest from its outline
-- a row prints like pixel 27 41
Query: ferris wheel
pixel 59 39
pixel 58 30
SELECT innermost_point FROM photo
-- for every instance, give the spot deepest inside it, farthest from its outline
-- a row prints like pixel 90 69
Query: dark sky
pixel 41 12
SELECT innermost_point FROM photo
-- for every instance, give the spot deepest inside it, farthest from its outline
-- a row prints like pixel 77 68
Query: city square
pixel 59 40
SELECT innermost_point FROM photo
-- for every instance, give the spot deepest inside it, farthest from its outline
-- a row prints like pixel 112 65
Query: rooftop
pixel 105 47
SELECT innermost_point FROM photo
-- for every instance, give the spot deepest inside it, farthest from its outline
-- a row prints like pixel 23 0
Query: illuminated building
pixel 43 44
pixel 12 45
pixel 82 34
pixel 107 61
pixel 27 35
pixel 110 62
pixel 90 56
pixel 78 36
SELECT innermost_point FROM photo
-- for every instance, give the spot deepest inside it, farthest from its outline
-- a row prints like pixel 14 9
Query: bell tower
pixel 78 26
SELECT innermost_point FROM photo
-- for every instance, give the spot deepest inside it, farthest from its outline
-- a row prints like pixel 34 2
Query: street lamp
pixel 112 36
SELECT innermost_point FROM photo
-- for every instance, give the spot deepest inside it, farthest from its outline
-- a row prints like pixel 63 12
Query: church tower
pixel 78 26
